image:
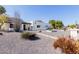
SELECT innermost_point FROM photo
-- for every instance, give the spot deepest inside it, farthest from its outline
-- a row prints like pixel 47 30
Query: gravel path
pixel 12 43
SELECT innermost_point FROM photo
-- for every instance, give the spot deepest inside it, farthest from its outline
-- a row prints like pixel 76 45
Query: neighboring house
pixel 39 25
pixel 77 26
pixel 9 25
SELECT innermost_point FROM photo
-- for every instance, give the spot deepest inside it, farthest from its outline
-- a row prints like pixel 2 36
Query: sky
pixel 68 14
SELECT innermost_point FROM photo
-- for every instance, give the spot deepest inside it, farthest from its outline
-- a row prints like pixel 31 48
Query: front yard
pixel 12 43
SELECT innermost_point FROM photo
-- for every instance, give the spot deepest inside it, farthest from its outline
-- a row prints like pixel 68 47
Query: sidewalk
pixel 49 36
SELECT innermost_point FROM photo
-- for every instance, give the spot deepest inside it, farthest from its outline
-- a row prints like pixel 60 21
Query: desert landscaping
pixel 12 43
pixel 21 34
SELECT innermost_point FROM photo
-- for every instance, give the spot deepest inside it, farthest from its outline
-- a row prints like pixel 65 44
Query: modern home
pixel 10 25
pixel 39 25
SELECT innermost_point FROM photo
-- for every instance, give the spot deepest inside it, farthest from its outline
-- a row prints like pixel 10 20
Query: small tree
pixel 56 24
pixel 17 22
pixel 72 26
pixel 53 23
pixel 3 16
pixel 59 24
pixel 3 19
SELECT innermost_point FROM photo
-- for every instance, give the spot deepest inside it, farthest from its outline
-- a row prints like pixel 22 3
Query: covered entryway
pixel 11 27
pixel 24 27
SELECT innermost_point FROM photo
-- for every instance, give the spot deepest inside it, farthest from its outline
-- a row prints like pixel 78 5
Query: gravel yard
pixel 12 43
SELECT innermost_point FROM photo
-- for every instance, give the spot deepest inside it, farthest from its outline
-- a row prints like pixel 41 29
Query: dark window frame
pixel 38 26
pixel 11 25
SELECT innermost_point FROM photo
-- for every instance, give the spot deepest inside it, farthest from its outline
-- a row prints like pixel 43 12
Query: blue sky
pixel 68 14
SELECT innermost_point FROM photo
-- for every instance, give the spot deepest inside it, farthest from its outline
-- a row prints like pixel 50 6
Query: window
pixel 11 25
pixel 46 26
pixel 38 26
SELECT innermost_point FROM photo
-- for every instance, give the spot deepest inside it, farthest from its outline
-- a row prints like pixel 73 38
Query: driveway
pixel 12 43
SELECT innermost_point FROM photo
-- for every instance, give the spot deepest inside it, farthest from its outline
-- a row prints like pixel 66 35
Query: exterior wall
pixel 26 26
pixel 5 26
pixel 21 28
pixel 42 25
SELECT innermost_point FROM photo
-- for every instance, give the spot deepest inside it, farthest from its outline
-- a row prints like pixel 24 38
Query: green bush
pixel 27 35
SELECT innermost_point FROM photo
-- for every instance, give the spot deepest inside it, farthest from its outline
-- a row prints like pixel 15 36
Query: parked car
pixel 57 30
pixel 54 30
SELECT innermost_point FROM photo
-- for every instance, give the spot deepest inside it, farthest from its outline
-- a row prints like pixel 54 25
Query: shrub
pixel 28 35
pixel 67 45
pixel 25 35
pixel 76 47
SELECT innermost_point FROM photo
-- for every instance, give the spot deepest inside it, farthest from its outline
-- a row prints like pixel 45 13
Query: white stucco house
pixel 10 25
pixel 39 25
pixel 25 26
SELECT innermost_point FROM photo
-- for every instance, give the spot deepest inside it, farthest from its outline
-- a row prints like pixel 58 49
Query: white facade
pixel 39 25
pixel 27 27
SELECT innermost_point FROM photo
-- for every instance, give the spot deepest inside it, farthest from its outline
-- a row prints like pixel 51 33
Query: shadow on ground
pixel 34 38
